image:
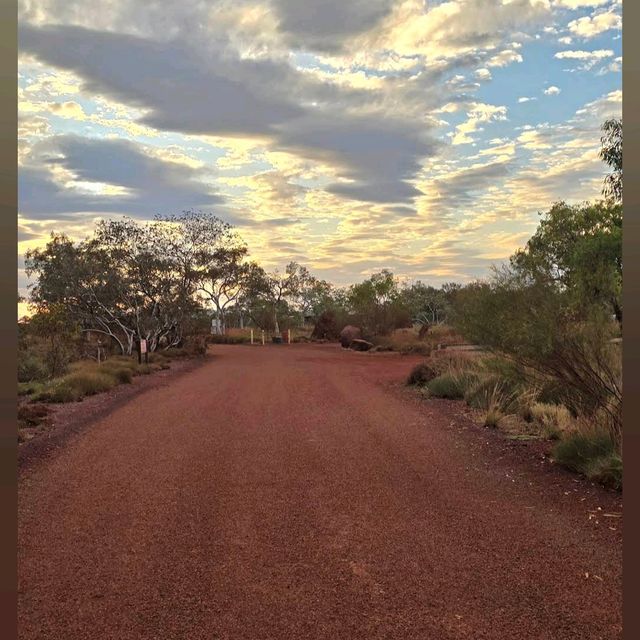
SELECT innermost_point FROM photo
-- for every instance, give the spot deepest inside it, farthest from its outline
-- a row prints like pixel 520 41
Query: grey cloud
pixel 185 92
pixel 325 24
pixel 182 91
pixel 461 188
pixel 155 185
pixel 379 155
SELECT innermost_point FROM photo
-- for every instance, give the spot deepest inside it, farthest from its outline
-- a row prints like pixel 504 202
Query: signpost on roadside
pixel 142 349
pixel 251 336
pixel 263 337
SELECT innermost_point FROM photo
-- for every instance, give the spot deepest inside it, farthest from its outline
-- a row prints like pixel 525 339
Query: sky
pixel 348 135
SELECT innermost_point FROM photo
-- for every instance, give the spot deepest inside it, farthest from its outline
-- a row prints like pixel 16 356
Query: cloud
pixel 459 26
pixel 504 58
pixel 483 74
pixel 375 158
pixel 478 113
pixel 67 175
pixel 526 99
pixel 592 26
pixel 578 4
pixel 180 91
pixel 551 91
pixel 588 58
pixel 461 188
pixel 325 25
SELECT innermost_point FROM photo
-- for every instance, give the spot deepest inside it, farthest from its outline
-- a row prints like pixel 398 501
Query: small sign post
pixel 288 336
pixel 143 349
pixel 251 336
pixel 263 337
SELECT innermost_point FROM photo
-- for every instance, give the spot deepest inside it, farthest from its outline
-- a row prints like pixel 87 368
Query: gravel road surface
pixel 300 492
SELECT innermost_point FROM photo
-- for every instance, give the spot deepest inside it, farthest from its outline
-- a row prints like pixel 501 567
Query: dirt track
pixel 298 492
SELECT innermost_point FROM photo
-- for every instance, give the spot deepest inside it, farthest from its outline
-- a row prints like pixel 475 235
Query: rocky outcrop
pixel 348 335
pixel 358 344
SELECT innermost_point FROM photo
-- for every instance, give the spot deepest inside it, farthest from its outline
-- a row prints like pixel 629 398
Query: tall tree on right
pixel 611 153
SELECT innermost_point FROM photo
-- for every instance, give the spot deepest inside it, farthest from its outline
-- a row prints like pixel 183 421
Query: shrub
pixel 57 391
pixel 592 453
pixel 554 419
pixel 32 414
pixel 89 383
pixel 196 345
pixel 75 386
pixel 326 327
pixel 421 374
pixel 492 418
pixel 231 339
pixel 490 394
pixel 446 386
pixel 122 375
pixel 31 368
pixel 28 388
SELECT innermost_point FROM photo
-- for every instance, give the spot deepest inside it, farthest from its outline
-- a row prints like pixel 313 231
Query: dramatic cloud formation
pixel 352 135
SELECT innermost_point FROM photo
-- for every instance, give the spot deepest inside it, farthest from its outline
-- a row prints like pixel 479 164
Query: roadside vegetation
pixel 546 326
pixel 551 323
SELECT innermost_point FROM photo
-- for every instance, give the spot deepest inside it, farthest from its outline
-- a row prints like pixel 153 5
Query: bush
pixel 32 414
pixel 491 391
pixel 122 375
pixel 326 327
pixel 31 368
pixel 554 419
pixel 75 386
pixel 231 339
pixel 57 391
pixel 28 388
pixel 196 345
pixel 446 386
pixel 593 454
pixel 421 374
pixel 492 418
pixel 90 383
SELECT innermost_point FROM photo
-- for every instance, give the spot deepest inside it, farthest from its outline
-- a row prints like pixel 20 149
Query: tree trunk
pixel 617 310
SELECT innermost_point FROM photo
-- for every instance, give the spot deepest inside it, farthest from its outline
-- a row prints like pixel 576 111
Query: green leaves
pixel 611 153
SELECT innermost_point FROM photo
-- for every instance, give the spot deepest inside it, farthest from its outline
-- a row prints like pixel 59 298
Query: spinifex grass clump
pixel 421 374
pixel 593 453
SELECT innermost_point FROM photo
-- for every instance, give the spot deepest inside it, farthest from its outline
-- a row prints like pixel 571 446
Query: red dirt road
pixel 299 492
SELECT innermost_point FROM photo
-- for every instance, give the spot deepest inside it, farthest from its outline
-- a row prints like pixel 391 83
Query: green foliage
pixel 611 153
pixel 592 454
pixel 421 374
pixel 31 368
pixel 578 250
pixel 449 386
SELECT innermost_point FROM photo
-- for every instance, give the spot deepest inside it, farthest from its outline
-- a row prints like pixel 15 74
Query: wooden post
pixel 251 336
pixel 288 336
pixel 263 337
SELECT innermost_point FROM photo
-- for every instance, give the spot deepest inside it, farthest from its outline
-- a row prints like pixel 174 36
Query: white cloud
pixel 577 4
pixel 588 59
pixel 585 55
pixel 504 58
pixel 591 26
pixel 551 91
pixel 526 99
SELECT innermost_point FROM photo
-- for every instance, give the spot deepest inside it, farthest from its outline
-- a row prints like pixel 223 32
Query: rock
pixel 360 345
pixel 348 334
